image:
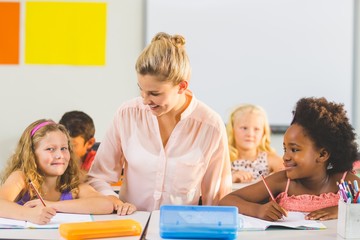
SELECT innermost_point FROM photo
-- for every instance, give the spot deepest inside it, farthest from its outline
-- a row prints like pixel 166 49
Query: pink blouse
pixel 307 202
pixel 195 161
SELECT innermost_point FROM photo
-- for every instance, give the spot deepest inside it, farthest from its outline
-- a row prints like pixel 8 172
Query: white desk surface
pixel 326 234
pixel 153 230
pixel 40 234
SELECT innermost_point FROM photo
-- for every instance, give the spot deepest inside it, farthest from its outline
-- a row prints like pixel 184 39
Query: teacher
pixel 171 147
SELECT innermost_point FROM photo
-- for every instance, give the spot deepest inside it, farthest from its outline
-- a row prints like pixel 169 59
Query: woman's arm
pixel 217 180
pixel 109 160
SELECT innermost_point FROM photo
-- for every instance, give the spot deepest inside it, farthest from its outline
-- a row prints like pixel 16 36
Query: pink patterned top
pixel 261 163
pixel 307 202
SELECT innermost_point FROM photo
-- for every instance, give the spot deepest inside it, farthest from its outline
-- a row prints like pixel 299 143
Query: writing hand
pixel 271 211
pixel 40 214
pixel 323 214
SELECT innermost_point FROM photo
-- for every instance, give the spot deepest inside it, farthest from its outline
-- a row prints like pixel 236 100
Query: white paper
pixel 294 220
pixel 54 223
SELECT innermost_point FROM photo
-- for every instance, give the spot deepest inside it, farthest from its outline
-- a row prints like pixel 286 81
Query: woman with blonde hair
pixel 172 147
pixel 249 144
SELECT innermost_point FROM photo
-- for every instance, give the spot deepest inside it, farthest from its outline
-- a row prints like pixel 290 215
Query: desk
pixel 326 234
pixel 153 230
pixel 40 234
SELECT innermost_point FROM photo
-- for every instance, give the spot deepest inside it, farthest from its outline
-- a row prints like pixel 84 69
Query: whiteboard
pixel 265 52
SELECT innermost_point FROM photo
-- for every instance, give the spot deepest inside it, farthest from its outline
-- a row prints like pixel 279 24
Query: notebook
pixel 294 220
pixel 54 223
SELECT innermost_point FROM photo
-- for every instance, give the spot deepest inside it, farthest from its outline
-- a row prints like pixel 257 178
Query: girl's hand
pixel 323 214
pixel 271 211
pixel 41 215
pixel 240 176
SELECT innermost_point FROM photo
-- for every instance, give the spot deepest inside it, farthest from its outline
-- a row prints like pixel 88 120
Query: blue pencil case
pixel 203 222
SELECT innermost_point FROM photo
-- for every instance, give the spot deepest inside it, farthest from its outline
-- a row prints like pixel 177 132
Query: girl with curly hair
pixel 44 159
pixel 319 151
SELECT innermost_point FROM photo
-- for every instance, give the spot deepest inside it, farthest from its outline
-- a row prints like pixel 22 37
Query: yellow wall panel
pixel 70 33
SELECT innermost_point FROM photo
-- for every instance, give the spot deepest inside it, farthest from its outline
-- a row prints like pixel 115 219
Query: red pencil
pixel 356 199
pixel 37 193
pixel 267 187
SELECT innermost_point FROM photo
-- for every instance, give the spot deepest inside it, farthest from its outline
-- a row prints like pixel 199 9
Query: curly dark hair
pixel 327 124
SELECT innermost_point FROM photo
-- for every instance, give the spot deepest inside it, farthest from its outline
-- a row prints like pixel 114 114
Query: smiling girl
pixel 44 158
pixel 249 132
pixel 319 150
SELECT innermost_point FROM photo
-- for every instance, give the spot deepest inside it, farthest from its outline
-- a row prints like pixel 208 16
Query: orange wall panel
pixel 9 32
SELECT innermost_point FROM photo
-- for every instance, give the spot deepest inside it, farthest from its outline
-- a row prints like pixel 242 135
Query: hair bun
pixel 176 40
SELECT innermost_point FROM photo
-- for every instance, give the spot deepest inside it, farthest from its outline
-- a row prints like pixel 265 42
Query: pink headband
pixel 40 125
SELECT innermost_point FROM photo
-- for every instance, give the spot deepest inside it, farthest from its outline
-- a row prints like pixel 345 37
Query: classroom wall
pixel 267 45
pixel 31 92
pixel 45 92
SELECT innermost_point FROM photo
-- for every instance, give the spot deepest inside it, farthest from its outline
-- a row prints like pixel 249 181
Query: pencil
pixel 37 193
pixel 267 187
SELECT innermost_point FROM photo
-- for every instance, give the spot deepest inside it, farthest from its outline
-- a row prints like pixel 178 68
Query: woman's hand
pixel 125 209
pixel 323 214
pixel 240 176
pixel 122 208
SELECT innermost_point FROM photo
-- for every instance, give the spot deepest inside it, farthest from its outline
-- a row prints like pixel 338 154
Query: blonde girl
pixel 44 157
pixel 249 144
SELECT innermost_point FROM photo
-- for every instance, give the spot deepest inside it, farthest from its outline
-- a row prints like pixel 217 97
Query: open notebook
pixel 54 223
pixel 294 220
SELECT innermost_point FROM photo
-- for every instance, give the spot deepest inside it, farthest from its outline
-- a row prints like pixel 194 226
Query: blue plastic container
pixel 204 222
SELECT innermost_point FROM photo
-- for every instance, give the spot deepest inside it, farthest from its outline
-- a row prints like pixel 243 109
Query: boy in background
pixel 82 131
